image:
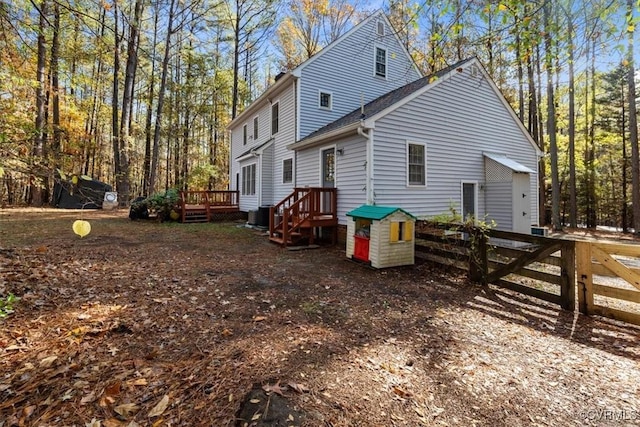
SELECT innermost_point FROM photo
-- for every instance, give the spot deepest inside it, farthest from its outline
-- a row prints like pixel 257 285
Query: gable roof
pixel 296 72
pixel 376 212
pixel 383 105
pixel 377 105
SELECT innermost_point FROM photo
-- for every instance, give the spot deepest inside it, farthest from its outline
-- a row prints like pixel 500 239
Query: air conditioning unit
pixel 540 231
pixel 252 217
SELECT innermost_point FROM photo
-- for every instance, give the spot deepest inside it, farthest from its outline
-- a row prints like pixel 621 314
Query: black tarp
pixel 86 194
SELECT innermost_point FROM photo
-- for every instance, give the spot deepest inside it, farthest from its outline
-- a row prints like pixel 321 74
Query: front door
pixel 328 176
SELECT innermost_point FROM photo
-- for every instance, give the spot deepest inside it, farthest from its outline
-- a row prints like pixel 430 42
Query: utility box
pixel 381 236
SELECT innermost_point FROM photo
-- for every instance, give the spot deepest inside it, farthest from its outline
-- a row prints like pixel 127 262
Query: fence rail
pixel 604 277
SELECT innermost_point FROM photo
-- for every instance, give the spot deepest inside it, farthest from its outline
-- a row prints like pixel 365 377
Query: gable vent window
pixel 244 134
pixel 325 100
pixel 381 28
pixel 381 62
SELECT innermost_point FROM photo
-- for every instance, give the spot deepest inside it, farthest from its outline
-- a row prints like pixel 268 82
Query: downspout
pixel 369 162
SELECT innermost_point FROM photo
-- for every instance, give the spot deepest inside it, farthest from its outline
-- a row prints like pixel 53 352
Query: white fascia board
pixel 259 102
pixel 325 137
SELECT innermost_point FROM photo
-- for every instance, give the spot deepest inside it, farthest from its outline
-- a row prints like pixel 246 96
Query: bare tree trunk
pixel 633 123
pixel 573 204
pixel 127 100
pixel 161 92
pixel 35 186
pixel 551 122
pixel 236 65
pixel 591 166
pixel 55 86
pixel 147 146
pixel 115 129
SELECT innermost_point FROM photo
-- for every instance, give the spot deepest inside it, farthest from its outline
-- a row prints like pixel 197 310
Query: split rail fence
pixel 604 279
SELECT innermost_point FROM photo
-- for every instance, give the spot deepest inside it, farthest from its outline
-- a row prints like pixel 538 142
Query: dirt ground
pixel 150 324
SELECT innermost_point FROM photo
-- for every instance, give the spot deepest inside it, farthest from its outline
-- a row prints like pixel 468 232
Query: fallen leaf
pixel 41 249
pixel 259 318
pixel 126 409
pixel 113 422
pixel 138 381
pixel 227 333
pixel 48 361
pixel 290 418
pixel 254 401
pixel 300 388
pixel 28 411
pixel 93 423
pixel 273 388
pixel 401 392
pixel 256 416
pixel 88 398
pixel 113 389
pixel 160 407
pixel 133 424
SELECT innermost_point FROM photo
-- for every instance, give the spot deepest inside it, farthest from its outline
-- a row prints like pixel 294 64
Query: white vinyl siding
pixel 353 61
pixel 350 177
pixel 461 117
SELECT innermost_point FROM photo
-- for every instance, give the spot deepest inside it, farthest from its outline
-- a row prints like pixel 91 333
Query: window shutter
pixel 408 231
pixel 394 232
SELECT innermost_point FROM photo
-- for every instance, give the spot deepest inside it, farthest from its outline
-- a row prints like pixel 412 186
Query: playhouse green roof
pixel 376 212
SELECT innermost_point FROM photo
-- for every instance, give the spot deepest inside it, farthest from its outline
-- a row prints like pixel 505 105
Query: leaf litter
pixel 209 324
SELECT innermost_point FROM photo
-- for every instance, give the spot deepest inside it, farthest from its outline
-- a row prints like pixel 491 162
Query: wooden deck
pixel 302 214
pixel 203 206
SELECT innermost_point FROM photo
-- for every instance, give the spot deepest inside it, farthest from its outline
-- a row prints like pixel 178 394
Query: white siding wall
pixel 499 199
pixel 350 173
pixel 270 168
pixel 458 120
pixel 347 71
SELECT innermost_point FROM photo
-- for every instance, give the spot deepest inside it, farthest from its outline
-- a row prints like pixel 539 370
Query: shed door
pixel 521 203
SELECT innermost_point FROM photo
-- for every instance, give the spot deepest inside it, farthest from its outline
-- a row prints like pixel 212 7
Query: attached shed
pixel 382 236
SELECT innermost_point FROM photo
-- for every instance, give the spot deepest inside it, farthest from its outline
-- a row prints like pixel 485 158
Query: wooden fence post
pixel 478 259
pixel 568 276
pixel 585 278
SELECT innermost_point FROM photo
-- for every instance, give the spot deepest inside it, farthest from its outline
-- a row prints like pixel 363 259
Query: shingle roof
pixel 383 102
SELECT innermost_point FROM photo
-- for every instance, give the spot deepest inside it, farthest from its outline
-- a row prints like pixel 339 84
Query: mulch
pixel 164 324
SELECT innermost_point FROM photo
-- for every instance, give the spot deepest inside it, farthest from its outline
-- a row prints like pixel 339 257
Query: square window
pixel 287 171
pixel 325 100
pixel 381 62
pixel 416 164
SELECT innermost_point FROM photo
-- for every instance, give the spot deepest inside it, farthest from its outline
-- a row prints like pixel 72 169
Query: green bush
pixel 6 305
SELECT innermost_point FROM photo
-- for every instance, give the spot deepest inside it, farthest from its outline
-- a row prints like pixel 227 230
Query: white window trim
pixel 406 151
pixel 256 134
pixel 245 134
pixel 292 169
pixel 330 107
pixel 475 199
pixel 274 103
pixel 375 61
pixel 242 186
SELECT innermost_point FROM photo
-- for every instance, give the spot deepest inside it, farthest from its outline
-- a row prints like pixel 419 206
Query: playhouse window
pixel 400 231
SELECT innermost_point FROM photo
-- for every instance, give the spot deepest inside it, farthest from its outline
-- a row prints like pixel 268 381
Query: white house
pixel 365 63
pixel 442 141
pixel 358 117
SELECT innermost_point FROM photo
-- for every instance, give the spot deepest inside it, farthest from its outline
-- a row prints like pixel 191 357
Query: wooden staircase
pixel 295 219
